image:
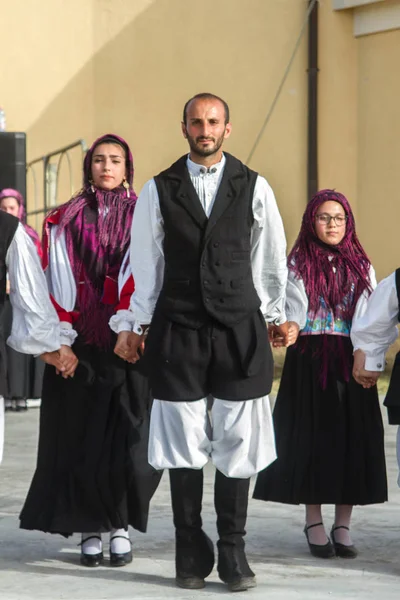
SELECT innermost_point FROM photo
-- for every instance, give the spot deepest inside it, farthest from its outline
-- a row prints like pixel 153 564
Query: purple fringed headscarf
pixel 337 274
pixel 11 193
pixel 97 226
pixel 313 261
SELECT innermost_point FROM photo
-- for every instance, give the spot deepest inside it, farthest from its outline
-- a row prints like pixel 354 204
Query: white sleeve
pixel 296 300
pixel 35 327
pixel 61 281
pixel 146 254
pixel 123 320
pixel 268 253
pixel 124 273
pixel 362 302
pixel 375 329
pixel 60 278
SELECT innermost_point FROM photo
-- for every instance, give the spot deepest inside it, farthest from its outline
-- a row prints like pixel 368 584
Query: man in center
pixel 208 256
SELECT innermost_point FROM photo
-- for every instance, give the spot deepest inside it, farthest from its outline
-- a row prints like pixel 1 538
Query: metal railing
pixel 45 196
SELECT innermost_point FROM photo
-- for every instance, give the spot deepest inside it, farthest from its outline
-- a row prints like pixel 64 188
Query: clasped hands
pixel 64 360
pixel 365 378
pixel 130 346
pixel 282 336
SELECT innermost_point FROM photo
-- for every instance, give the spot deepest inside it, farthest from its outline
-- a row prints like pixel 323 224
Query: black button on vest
pixel 207 261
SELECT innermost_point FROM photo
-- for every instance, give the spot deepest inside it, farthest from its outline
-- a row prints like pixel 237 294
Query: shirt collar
pixel 199 170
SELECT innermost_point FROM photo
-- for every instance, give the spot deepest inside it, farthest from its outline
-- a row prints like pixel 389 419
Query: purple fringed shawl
pixel 336 274
pixel 97 226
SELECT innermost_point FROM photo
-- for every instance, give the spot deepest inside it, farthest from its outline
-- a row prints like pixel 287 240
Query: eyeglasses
pixel 325 219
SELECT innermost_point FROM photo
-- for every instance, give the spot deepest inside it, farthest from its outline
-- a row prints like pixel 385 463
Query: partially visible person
pixel 24 372
pixel 35 328
pixel 372 334
pixel 13 203
pixel 92 473
pixel 329 431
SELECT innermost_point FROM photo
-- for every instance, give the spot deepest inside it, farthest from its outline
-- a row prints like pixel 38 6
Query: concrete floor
pixel 35 565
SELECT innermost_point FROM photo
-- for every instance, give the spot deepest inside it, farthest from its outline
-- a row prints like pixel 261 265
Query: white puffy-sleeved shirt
pixel 375 329
pixel 35 326
pixel 62 287
pixel 268 246
pixel 297 305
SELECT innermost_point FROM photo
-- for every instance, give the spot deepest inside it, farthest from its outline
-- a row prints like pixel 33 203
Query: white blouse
pixel 62 285
pixel 35 326
pixel 375 329
pixel 297 300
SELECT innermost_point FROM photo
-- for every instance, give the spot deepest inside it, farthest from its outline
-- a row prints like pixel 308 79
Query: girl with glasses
pixel 328 428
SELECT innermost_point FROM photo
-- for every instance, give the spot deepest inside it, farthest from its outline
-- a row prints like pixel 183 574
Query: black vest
pixel 8 227
pixel 207 260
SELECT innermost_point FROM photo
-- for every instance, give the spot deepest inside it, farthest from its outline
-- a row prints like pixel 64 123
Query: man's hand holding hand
pixel 279 335
pixel 136 347
pixel 122 347
pixel 365 378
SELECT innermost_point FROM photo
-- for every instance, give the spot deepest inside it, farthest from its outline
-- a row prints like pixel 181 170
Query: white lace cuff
pixel 68 335
pixel 122 321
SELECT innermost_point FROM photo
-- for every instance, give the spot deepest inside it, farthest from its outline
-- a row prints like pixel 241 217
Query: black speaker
pixel 13 161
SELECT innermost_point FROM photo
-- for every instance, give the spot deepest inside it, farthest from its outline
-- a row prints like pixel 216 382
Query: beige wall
pixel 80 68
pixel 46 45
pixel 337 102
pixel 359 128
pixel 379 147
pixel 127 66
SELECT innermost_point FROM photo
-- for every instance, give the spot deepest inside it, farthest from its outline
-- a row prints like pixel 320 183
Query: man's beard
pixel 200 150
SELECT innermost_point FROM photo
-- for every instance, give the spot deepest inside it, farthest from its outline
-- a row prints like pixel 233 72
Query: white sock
pixel 120 545
pixel 93 545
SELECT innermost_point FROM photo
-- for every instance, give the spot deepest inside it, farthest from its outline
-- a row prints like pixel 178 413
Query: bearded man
pixel 208 256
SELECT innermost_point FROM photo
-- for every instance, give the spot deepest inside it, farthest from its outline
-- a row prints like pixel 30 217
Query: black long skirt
pixel 92 470
pixel 329 441
pixel 24 372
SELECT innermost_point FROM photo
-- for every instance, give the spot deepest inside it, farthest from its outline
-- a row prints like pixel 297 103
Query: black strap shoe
pixel 318 550
pixel 91 560
pixel 342 550
pixel 120 559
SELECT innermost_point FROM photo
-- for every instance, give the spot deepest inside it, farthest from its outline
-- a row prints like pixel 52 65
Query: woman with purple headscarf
pixel 12 202
pixel 92 472
pixel 329 431
pixel 24 372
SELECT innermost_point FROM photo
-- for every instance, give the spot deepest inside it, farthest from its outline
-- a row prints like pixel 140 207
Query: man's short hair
pixel 206 96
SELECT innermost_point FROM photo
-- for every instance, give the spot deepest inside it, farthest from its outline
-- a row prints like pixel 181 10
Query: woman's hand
pixel 69 360
pixel 129 346
pixel 54 359
pixel 293 332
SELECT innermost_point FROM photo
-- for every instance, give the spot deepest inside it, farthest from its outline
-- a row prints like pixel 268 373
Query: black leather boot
pixel 194 551
pixel 231 500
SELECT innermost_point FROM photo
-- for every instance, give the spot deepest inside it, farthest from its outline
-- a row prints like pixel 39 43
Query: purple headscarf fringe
pixel 332 352
pixel 97 225
pixel 338 275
